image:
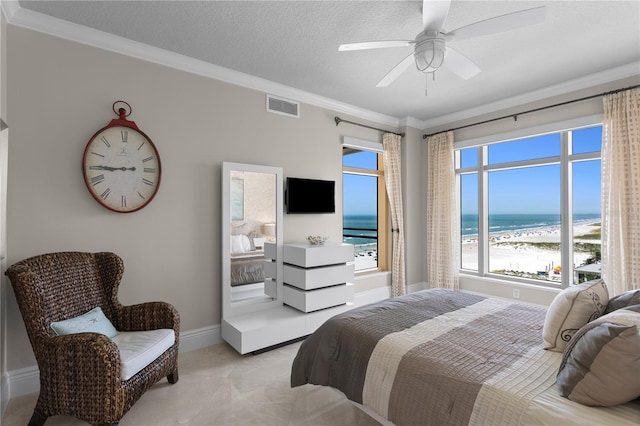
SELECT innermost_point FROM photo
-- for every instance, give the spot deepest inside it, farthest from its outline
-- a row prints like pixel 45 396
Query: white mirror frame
pixel 241 307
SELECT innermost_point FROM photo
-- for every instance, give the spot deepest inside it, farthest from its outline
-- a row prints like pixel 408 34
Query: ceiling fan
pixel 431 45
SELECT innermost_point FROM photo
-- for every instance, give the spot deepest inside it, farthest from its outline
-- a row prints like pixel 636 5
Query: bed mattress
pixel 441 357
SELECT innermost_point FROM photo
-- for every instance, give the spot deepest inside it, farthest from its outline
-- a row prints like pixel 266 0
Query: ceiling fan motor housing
pixel 429 51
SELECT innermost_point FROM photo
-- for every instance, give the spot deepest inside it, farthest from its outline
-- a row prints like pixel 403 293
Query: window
pixel 364 207
pixel 530 208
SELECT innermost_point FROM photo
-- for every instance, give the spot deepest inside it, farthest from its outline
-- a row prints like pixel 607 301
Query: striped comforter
pixel 434 357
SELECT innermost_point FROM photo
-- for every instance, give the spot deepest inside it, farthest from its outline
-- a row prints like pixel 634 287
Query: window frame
pixel 482 169
pixel 383 224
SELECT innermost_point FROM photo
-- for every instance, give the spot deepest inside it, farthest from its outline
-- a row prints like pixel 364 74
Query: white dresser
pixel 319 287
pixel 317 277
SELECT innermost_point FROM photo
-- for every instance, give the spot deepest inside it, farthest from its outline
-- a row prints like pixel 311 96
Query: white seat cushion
pixel 140 348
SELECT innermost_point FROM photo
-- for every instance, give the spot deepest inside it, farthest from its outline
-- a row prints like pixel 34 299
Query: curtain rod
pixel 340 120
pixel 515 116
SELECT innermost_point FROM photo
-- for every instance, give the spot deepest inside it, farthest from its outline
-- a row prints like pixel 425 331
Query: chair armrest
pixel 81 361
pixel 148 316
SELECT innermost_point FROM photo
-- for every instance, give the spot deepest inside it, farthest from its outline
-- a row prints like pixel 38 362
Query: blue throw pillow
pixel 93 321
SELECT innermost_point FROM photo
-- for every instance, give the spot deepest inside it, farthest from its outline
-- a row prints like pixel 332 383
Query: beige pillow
pixel 601 365
pixel 572 308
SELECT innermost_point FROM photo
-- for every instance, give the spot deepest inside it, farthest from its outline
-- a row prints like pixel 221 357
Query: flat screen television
pixel 310 196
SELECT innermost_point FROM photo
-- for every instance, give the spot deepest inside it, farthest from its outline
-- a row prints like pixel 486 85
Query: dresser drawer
pixel 308 256
pixel 309 279
pixel 313 300
pixel 270 250
pixel 270 269
pixel 270 288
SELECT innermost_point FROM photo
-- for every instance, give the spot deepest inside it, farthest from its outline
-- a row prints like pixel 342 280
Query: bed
pixel 247 268
pixel 439 357
pixel 247 261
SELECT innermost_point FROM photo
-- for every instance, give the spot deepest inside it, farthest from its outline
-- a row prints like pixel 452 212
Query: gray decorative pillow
pixel 628 298
pixel 601 364
pixel 571 309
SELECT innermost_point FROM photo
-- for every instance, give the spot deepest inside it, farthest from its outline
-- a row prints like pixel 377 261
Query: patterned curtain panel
pixel 392 176
pixel 621 191
pixel 443 230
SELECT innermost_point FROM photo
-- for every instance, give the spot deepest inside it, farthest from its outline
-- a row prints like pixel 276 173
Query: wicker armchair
pixel 80 373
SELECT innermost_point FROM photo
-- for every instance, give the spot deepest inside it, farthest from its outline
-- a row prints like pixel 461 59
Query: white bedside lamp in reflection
pixel 269 231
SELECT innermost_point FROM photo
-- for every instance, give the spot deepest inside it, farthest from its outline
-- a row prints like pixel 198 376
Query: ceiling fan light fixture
pixel 429 54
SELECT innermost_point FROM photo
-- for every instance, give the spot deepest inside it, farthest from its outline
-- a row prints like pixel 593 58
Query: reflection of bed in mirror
pixel 247 268
pixel 247 260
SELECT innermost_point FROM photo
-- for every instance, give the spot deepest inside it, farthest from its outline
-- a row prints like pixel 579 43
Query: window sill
pixel 372 271
pixel 508 289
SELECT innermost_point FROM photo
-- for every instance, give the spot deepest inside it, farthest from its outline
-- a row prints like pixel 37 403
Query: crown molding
pixel 411 122
pixel 56 27
pixel 591 80
pixel 9 8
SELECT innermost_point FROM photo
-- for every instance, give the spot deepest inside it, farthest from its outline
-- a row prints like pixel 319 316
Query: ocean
pixel 516 222
pixel 497 223
pixel 361 222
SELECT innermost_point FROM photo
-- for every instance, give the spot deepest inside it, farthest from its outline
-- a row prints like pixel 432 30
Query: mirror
pixel 252 197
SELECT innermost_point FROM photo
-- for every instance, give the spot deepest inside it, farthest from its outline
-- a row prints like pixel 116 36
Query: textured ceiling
pixel 296 44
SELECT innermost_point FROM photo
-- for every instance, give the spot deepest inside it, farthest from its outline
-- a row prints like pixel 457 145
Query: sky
pixel 360 192
pixel 536 190
pixel 516 191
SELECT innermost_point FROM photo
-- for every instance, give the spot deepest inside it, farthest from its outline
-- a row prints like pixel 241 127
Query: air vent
pixel 282 106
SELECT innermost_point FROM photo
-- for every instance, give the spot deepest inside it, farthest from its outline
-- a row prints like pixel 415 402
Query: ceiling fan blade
pixel 498 24
pixel 460 64
pixel 434 12
pixel 396 71
pixel 375 45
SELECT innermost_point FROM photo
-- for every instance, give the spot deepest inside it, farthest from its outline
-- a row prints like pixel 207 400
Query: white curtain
pixel 443 231
pixel 621 191
pixel 392 176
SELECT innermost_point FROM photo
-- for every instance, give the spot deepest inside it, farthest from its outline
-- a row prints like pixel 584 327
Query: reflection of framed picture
pixel 237 199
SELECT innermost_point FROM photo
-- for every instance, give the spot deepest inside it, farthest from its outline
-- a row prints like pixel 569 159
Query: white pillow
pixel 571 309
pixel 93 321
pixel 240 244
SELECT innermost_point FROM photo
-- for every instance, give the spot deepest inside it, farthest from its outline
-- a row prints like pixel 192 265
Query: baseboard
pixel 4 391
pixel 199 338
pixel 27 380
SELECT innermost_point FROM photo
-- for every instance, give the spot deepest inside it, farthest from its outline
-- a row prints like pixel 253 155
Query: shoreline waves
pixel 522 243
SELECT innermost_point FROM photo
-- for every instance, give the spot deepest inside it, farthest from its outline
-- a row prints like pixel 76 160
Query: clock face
pixel 121 168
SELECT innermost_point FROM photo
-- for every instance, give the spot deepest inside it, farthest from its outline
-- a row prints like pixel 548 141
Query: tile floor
pixel 218 386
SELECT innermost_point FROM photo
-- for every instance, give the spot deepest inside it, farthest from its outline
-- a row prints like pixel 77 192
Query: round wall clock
pixel 121 165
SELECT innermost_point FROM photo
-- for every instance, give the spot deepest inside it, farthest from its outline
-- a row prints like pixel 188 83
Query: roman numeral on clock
pixel 105 194
pixel 123 201
pixel 147 181
pixel 97 179
pixel 147 159
pixel 105 141
pixel 125 135
pixel 149 170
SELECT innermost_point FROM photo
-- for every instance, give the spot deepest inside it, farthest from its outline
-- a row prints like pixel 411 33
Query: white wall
pixel 61 93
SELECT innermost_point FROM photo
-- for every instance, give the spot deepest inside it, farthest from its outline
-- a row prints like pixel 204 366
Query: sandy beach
pixel 521 251
pixel 525 251
pixel 366 256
